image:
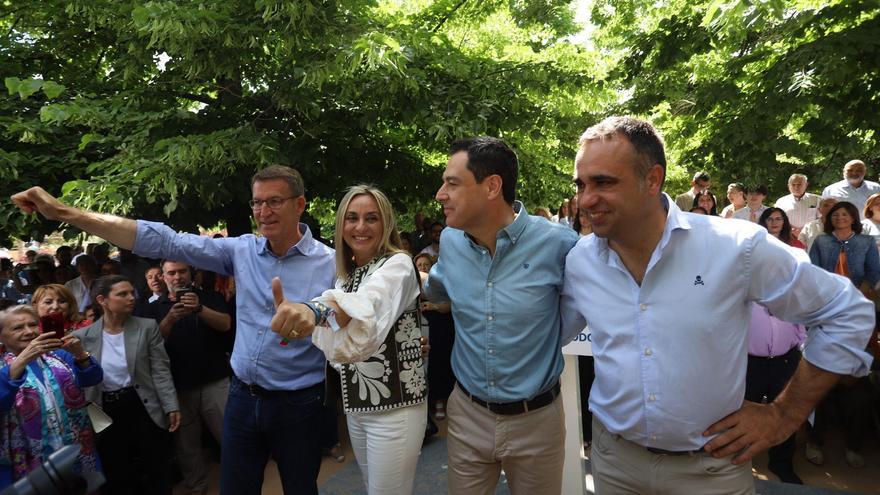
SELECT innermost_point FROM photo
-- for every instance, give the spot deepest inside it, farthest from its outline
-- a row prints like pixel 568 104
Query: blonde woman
pixel 368 326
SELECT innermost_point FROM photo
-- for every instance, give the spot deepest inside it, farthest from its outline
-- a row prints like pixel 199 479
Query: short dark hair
pixel 490 156
pixel 785 233
pixel 644 138
pixel 289 175
pixel 760 188
pixel 702 175
pixel 853 212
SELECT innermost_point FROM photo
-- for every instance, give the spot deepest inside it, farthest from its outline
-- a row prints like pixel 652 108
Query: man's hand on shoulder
pixel 749 431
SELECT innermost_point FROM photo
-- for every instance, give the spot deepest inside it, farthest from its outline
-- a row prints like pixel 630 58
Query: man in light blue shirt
pixel 502 269
pixel 667 296
pixel 853 188
pixel 276 393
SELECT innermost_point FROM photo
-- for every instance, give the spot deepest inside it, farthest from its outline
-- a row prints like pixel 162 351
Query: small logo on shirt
pixel 525 266
pixel 698 280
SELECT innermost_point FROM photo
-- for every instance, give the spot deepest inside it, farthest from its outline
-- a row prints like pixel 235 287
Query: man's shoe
pixel 854 459
pixel 785 473
pixel 814 454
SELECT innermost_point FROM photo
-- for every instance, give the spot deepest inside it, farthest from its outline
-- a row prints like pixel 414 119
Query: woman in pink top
pixel 774 354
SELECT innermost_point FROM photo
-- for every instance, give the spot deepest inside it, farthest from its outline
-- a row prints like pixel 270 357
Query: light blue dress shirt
pixel 671 354
pixel 306 270
pixel 506 307
pixel 843 191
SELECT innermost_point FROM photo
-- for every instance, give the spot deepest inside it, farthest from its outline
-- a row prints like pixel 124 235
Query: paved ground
pixel 832 478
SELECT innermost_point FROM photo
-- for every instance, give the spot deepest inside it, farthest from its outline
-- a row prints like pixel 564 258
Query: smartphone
pixel 181 291
pixel 53 323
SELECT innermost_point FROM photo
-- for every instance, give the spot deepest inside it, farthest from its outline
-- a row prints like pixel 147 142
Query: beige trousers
pixel 623 467
pixel 529 447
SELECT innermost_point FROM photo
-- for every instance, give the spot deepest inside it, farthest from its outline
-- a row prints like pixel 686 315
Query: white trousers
pixel 387 446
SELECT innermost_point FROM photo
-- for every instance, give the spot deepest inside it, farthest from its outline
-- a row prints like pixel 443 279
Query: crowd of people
pixel 253 338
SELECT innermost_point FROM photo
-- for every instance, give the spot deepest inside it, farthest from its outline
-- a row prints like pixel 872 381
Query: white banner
pixel 581 345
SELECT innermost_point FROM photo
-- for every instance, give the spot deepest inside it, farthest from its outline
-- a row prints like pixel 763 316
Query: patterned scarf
pixel 47 415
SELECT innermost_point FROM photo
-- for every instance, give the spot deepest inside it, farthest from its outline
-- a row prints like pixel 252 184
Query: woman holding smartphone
pixel 42 404
pixel 369 327
pixel 56 306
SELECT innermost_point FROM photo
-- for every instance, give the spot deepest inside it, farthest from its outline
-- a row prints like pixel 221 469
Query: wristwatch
pixel 86 358
pixel 324 315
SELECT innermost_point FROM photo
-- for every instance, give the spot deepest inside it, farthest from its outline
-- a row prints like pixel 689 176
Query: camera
pixel 55 477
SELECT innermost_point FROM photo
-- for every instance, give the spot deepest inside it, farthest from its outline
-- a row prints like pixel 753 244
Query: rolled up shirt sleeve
pixel 839 318
pixel 157 240
pixel 374 308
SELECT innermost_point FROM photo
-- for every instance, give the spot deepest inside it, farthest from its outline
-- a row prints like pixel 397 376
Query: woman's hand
pixel 425 346
pixel 74 346
pixel 173 421
pixel 40 345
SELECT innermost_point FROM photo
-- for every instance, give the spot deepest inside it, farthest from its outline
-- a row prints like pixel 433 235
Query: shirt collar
pixel 520 220
pixel 305 246
pixel 675 220
pixel 513 231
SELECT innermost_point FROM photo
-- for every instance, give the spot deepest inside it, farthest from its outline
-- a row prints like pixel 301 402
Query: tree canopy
pixel 166 108
pixel 751 90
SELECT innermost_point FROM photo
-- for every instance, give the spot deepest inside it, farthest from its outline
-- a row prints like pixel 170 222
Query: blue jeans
pixel 283 425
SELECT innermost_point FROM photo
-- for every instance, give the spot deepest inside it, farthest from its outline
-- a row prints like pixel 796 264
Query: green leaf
pixel 52 89
pixel 12 84
pixel 88 138
pixel 29 87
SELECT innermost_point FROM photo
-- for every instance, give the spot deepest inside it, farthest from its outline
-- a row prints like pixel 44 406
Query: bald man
pixel 853 188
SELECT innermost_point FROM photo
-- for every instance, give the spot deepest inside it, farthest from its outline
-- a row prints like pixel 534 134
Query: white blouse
pixel 379 301
pixel 113 362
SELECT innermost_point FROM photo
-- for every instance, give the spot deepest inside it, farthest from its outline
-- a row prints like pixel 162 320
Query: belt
pixel 116 395
pixel 674 452
pixel 518 407
pixel 256 390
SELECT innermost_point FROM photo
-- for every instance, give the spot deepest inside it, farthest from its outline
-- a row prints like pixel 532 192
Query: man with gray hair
pixel 276 392
pixel 853 188
pixel 667 297
pixel 800 206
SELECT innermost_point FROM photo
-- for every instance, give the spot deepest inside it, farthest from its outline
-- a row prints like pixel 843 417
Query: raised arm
pixel 119 231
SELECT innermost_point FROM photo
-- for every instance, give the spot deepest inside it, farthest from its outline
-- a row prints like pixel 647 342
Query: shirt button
pixel 492 384
pixel 648 351
pixel 491 351
pixel 654 437
pixel 491 317
pixel 489 284
pixel 651 398
pixel 643 307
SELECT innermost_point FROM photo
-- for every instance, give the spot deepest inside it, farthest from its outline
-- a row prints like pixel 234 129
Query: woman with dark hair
pixel 42 404
pixel 844 250
pixel 137 393
pixel 776 222
pixel 706 201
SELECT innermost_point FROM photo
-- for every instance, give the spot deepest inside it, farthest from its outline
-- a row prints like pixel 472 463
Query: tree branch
pixel 447 16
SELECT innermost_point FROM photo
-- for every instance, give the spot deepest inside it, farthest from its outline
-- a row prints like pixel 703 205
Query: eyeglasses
pixel 272 203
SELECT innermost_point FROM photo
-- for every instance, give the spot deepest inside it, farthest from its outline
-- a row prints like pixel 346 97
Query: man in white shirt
pixel 667 297
pixel 800 206
pixel 433 249
pixel 853 188
pixel 815 228
pixel 700 184
pixel 755 197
